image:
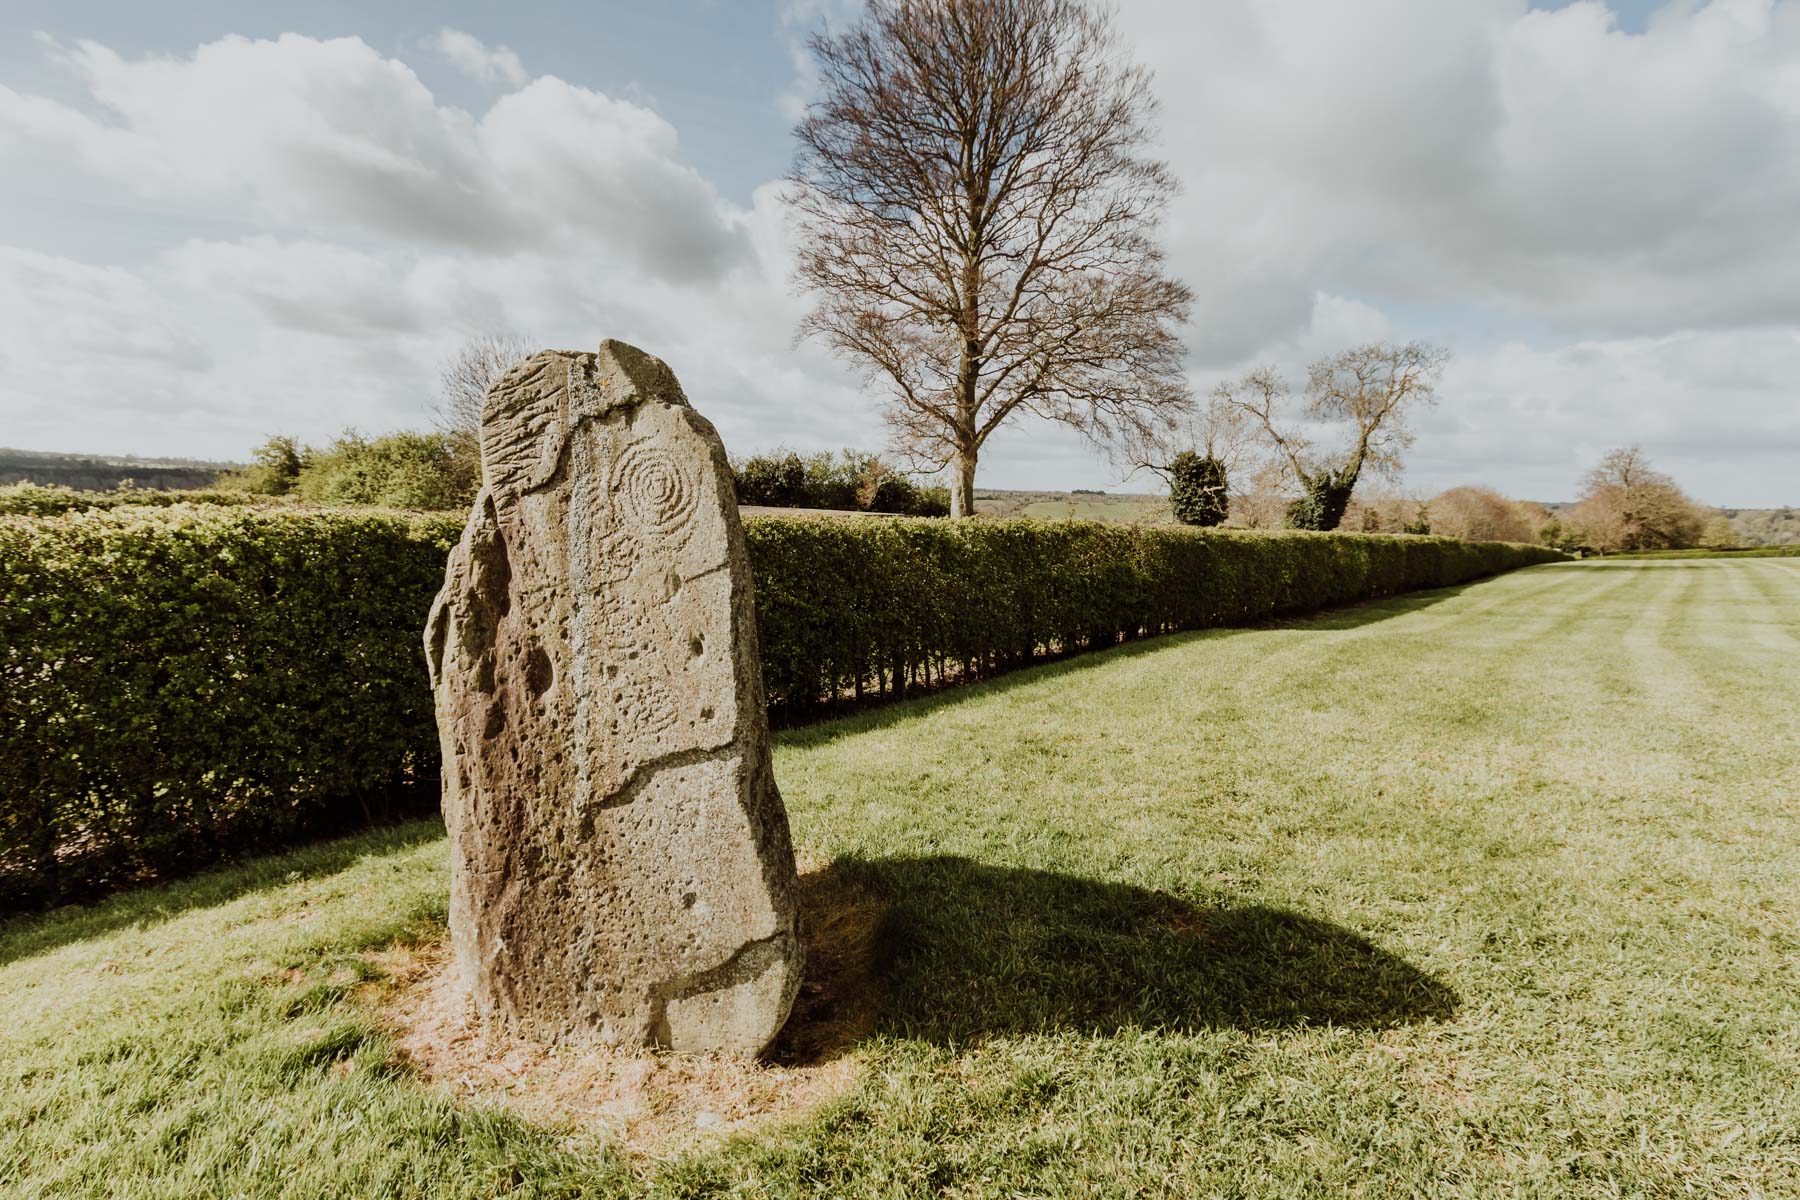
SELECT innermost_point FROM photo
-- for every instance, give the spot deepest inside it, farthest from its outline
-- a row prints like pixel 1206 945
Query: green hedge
pixel 878 607
pixel 180 683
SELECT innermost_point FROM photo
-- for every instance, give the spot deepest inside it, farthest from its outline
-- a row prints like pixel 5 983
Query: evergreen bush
pixel 1199 493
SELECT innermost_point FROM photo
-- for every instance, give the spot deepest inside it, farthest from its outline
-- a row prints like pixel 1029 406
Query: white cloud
pixel 1601 224
pixel 330 139
pixel 470 55
pixel 1628 200
pixel 1713 408
pixel 361 230
pixel 1541 162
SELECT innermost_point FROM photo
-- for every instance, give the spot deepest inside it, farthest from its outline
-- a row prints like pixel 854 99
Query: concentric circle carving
pixel 655 492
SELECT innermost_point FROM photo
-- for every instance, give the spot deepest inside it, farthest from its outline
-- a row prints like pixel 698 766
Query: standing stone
pixel 620 863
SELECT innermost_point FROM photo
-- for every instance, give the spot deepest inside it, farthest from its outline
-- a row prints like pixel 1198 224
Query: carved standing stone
pixel 620 861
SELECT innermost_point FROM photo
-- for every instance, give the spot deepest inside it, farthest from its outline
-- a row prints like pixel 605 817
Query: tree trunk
pixel 962 485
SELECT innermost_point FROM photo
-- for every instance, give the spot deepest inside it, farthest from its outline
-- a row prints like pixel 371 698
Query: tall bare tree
pixel 1369 391
pixel 463 388
pixel 978 216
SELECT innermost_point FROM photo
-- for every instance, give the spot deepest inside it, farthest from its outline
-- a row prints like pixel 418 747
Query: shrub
pixel 275 467
pixel 419 471
pixel 1479 514
pixel 848 481
pixel 1322 501
pixel 180 683
pixel 771 480
pixel 1199 493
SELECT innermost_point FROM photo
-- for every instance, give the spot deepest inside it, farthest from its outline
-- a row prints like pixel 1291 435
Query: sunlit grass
pixel 1485 892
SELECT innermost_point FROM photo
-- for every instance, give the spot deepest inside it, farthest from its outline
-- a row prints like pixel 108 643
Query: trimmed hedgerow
pixel 179 683
pixel 859 608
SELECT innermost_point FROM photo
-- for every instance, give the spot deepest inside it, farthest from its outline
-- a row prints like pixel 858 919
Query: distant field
pixel 1486 892
pixel 100 472
pixel 1783 551
pixel 1127 508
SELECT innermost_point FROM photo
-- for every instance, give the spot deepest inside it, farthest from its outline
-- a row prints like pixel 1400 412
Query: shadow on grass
pixel 827 725
pixel 37 933
pixel 961 951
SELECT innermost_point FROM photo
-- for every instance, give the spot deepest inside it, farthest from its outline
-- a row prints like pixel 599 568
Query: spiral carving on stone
pixel 655 492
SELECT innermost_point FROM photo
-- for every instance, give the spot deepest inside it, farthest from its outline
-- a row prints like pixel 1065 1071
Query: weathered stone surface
pixel 620 861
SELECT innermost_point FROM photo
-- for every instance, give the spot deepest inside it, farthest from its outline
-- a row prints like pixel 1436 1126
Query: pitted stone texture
pixel 620 862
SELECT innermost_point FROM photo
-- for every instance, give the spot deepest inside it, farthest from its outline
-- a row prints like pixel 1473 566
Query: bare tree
pixel 978 215
pixel 1626 468
pixel 1478 514
pixel 1370 391
pixel 464 383
pixel 1627 505
pixel 466 378
pixel 1215 428
pixel 1264 500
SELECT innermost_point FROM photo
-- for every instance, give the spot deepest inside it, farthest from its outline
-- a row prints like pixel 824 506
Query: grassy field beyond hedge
pixel 1484 892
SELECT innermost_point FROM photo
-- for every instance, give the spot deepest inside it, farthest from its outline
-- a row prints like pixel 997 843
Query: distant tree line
pixel 1625 505
pixel 441 470
pixel 1240 458
pixel 849 480
pixel 1765 526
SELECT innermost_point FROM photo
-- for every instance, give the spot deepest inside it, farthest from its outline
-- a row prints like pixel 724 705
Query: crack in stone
pixel 646 773
pixel 728 973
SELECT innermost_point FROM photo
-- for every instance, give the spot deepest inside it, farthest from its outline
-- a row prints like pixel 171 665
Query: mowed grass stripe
pixel 1490 891
pixel 1777 623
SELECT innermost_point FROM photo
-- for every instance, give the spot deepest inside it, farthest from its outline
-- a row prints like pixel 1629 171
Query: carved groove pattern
pixel 655 491
pixel 520 451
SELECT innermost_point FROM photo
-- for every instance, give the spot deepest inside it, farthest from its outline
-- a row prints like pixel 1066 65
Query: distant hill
pixel 99 472
pixel 1765 526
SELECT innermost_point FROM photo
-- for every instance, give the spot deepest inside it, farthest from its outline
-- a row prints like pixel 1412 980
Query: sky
pixel 221 221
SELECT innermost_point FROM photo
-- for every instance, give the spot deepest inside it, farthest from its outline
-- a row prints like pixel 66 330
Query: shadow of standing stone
pixel 620 860
pixel 968 950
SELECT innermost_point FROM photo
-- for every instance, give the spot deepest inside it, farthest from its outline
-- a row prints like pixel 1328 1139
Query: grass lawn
pixel 1485 892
